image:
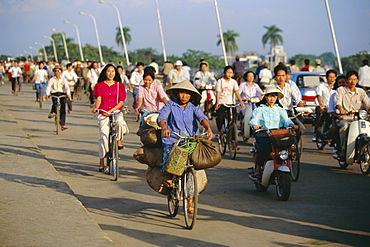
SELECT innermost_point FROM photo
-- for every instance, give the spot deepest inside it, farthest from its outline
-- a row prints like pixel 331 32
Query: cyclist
pixel 136 80
pixel 58 86
pixel 248 89
pixel 179 115
pixel 226 91
pixel 150 96
pixel 40 77
pixel 109 95
pixel 92 79
pixel 269 114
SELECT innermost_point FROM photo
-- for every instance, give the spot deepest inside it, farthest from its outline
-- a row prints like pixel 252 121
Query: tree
pixel 126 34
pixel 354 62
pixel 229 39
pixel 272 36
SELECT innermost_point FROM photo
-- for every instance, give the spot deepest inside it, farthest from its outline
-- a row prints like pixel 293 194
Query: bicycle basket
pixel 177 161
pixel 281 138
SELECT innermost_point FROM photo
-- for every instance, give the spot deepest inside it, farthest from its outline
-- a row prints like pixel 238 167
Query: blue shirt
pixel 179 120
pixel 270 117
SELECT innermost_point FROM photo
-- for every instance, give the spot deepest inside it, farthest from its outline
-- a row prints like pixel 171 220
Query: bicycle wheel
pixel 295 164
pixel 57 120
pixel 222 143
pixel 190 190
pixel 114 166
pixel 40 99
pixel 233 141
pixel 173 199
pixel 16 89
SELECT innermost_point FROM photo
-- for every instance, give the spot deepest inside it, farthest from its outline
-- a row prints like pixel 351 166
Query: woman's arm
pixel 206 125
pixel 165 131
pixel 139 105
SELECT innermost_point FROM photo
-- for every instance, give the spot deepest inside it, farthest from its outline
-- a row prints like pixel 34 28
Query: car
pixel 307 83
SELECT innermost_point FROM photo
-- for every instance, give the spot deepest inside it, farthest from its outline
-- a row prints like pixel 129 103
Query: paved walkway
pixel 37 208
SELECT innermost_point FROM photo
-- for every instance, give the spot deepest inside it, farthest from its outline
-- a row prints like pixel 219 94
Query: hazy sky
pixel 190 24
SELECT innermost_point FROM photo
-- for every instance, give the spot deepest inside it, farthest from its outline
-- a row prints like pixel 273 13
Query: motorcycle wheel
pixel 365 160
pixel 283 186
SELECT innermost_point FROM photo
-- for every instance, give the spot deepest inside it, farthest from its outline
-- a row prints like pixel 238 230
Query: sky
pixel 190 24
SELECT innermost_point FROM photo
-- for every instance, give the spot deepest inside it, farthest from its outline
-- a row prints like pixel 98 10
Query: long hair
pixel 103 77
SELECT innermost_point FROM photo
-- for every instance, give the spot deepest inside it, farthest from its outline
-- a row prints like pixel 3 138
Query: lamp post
pixel 55 50
pixel 46 57
pixel 78 38
pixel 96 32
pixel 64 41
pixel 220 30
pixel 121 29
pixel 334 37
pixel 160 31
pixel 37 52
pixel 29 53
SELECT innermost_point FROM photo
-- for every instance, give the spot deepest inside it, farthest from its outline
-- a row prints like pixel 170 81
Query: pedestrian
pixel 364 74
pixel 318 67
pixel 109 96
pixel 58 86
pixel 92 78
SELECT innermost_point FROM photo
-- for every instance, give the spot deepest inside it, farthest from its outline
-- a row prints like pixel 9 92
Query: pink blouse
pixel 108 94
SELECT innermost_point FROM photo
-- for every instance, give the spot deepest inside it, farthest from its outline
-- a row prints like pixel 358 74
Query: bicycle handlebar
pixel 110 113
pixel 183 137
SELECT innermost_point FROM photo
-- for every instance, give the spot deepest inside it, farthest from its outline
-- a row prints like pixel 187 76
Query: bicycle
pixel 182 186
pixel 125 111
pixel 112 156
pixel 40 96
pixel 16 86
pixel 57 114
pixel 229 132
pixel 79 89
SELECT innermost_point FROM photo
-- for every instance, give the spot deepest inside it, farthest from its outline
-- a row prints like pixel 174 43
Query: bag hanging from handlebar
pixel 205 155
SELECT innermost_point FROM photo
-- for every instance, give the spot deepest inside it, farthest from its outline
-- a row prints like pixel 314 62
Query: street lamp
pixel 46 57
pixel 78 38
pixel 55 50
pixel 96 32
pixel 160 31
pixel 29 53
pixel 37 52
pixel 334 37
pixel 121 29
pixel 220 30
pixel 64 41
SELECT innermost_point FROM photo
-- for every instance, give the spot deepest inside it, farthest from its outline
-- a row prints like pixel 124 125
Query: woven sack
pixel 202 180
pixel 205 155
pixel 150 156
pixel 155 179
pixel 177 161
pixel 281 138
pixel 151 137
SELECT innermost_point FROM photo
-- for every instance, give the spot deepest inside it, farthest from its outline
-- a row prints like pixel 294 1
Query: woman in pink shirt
pixel 151 97
pixel 109 95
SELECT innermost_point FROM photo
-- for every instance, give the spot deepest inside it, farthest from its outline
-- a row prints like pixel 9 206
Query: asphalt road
pixel 328 206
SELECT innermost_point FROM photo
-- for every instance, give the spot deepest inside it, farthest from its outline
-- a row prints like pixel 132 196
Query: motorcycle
pixel 208 99
pixel 358 143
pixel 277 167
pixel 246 129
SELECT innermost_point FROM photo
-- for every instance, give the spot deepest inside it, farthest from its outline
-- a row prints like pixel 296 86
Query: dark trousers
pixel 16 80
pixel 62 107
pixel 222 113
pixel 91 95
pixel 263 145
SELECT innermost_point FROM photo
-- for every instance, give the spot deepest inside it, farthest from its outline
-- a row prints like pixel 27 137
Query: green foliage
pixel 354 62
pixel 272 36
pixel 230 43
pixel 326 58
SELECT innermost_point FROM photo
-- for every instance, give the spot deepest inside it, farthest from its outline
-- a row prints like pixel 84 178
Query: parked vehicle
pixel 358 143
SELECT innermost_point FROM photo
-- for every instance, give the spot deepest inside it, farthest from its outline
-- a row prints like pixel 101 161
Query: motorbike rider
pixel 290 94
pixel 271 115
pixel 348 100
pixel 202 78
pixel 248 89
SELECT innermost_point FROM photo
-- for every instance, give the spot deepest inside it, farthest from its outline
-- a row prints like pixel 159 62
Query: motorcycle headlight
pixel 284 154
pixel 362 114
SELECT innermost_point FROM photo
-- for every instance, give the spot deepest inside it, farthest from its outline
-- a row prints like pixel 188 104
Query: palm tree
pixel 272 36
pixel 229 39
pixel 126 34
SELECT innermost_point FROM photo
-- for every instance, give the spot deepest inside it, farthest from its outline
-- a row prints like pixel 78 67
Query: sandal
pixel 63 127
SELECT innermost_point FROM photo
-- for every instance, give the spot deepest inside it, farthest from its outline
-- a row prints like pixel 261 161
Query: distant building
pixel 276 56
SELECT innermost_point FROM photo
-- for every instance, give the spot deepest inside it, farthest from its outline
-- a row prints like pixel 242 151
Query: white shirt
pixel 201 79
pixel 364 76
pixel 57 86
pixel 325 92
pixel 16 72
pixel 177 76
pixel 265 76
pixel 136 78
pixel 70 76
pixel 155 66
pixel 290 94
pixel 93 75
pixel 294 85
pixel 226 89
pixel 41 75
